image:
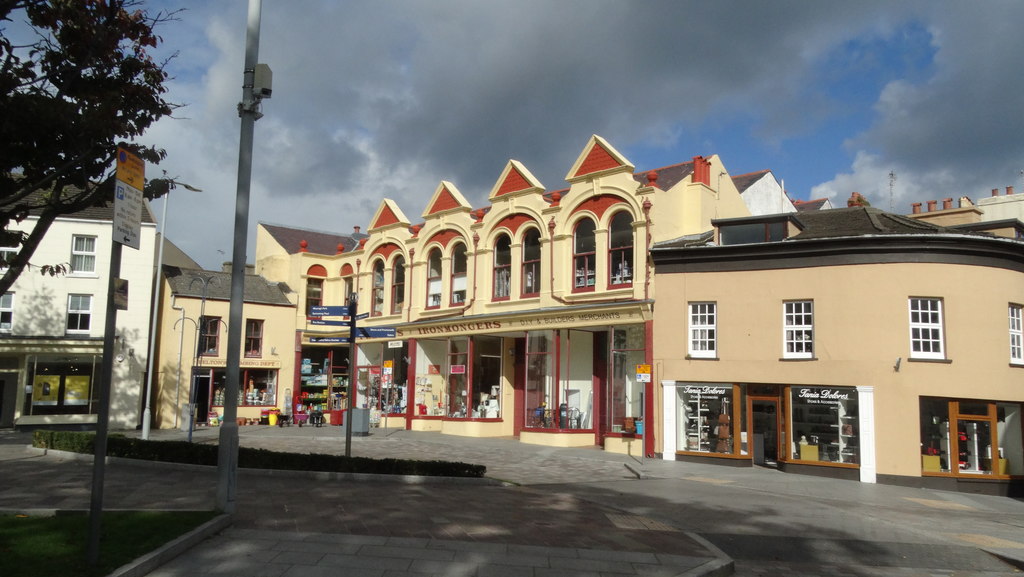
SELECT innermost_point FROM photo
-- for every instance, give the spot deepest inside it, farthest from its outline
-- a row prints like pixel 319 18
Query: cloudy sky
pixel 385 98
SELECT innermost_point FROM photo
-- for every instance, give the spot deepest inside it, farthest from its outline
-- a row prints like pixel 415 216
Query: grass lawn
pixel 36 546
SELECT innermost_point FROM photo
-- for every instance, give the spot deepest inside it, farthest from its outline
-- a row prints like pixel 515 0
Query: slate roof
pixel 860 221
pixel 809 205
pixel 258 290
pixel 745 181
pixel 319 242
pixel 105 212
pixel 668 176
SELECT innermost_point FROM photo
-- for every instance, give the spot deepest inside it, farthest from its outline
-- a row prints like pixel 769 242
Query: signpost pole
pixel 353 372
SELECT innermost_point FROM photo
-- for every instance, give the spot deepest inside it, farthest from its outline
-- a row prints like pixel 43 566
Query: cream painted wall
pixel 861 329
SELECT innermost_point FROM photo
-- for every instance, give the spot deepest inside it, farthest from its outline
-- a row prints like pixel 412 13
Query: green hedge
pixel 203 454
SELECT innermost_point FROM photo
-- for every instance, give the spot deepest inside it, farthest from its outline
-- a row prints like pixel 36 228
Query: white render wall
pixel 40 306
pixel 767 197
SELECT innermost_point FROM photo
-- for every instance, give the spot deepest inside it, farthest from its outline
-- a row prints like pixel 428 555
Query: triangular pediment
pixel 515 180
pixel 388 214
pixel 447 198
pixel 598 158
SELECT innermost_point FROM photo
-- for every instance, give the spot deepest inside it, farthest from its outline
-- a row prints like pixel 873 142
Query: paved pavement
pixel 570 512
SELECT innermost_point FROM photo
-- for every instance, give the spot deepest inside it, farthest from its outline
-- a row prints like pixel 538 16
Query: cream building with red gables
pixel 531 316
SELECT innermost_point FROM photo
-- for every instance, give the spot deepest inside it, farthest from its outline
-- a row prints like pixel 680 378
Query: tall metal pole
pixel 248 110
pixel 353 373
pixel 147 418
pixel 103 410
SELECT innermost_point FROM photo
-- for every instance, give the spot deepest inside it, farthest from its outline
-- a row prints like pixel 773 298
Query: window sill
pixel 1017 365
pixel 693 358
pixel 939 361
pixel 83 275
pixel 797 359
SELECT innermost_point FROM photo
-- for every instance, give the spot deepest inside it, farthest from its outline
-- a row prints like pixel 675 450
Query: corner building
pixel 530 317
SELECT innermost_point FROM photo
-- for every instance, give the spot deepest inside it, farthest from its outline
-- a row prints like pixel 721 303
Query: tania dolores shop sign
pixel 823 396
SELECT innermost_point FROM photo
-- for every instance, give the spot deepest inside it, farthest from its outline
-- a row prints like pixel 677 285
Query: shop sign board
pixel 395 344
pixel 458 369
pixel 331 311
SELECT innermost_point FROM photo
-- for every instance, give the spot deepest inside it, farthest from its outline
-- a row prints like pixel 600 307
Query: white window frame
pixel 79 311
pixel 6 306
pixel 927 338
pixel 798 329
pixel 703 331
pixel 81 253
pixel 1016 317
pixel 6 253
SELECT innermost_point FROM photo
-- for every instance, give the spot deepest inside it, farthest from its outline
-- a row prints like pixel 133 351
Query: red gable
pixel 598 159
pixel 445 201
pixel 514 182
pixel 386 217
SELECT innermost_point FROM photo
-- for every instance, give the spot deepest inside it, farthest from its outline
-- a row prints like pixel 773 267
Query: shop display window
pixel 575 380
pixel 540 347
pixel 704 419
pixel 459 401
pixel 62 386
pixel 970 437
pixel 825 424
pixel 625 394
pixel 486 375
pixel 431 387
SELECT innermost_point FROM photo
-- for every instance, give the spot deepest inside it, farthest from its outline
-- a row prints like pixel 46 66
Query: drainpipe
pixel 181 342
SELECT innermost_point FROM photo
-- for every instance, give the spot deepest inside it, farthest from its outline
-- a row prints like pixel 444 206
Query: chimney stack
pixel 947 203
pixel 356 229
pixel 932 204
pixel 1009 190
pixel 915 207
pixel 995 192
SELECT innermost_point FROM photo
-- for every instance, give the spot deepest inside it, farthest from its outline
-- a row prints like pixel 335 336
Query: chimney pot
pixel 947 203
pixel 995 192
pixel 915 207
pixel 1009 190
pixel 932 204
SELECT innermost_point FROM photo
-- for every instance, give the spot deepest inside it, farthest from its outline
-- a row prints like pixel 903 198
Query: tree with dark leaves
pixel 83 83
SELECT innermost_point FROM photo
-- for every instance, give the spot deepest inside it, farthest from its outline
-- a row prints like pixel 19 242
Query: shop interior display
pixel 825 432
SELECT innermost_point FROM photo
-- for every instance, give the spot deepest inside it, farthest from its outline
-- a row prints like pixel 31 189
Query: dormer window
pixel 752 231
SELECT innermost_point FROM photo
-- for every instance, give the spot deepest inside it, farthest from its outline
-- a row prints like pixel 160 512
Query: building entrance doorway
pixel 765 430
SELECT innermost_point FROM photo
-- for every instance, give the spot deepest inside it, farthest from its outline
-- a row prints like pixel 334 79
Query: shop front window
pixel 459 401
pixel 970 437
pixel 393 379
pixel 62 386
pixel 486 377
pixel 540 347
pixel 576 379
pixel 825 425
pixel 625 394
pixel 430 385
pixel 704 418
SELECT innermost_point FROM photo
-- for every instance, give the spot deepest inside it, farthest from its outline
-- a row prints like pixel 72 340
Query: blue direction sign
pixel 322 322
pixel 362 316
pixel 328 311
pixel 328 339
pixel 377 332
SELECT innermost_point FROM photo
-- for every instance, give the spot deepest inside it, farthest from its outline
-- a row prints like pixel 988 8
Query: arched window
pixel 502 268
pixel 584 260
pixel 620 250
pixel 459 274
pixel 434 279
pixel 314 287
pixel 377 299
pixel 531 263
pixel 397 285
